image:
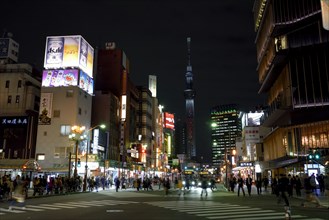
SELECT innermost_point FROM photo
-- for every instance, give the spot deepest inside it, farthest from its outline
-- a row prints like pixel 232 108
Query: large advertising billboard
pixel 169 121
pixel 54 78
pixel 69 51
pixel 86 83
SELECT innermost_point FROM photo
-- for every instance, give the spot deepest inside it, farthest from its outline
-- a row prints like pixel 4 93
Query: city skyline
pixel 153 36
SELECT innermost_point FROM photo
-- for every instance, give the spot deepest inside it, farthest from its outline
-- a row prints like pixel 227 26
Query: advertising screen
pixel 54 78
pixel 69 51
pixel 169 121
pixel 86 83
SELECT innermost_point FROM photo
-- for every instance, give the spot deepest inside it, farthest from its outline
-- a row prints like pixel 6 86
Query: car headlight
pixel 199 184
pixel 193 183
pixel 209 183
pixel 183 182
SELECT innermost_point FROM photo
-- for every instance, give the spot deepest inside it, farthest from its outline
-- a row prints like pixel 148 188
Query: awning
pixel 285 161
pixel 22 164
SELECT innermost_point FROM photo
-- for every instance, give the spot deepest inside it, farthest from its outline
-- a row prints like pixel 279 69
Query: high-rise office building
pixel 225 128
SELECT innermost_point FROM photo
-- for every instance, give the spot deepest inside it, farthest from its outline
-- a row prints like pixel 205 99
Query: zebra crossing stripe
pixel 253 213
pixel 38 206
pixel 214 209
pixel 220 210
pixel 57 206
pixel 85 203
pixel 275 217
pixel 12 211
pixel 29 209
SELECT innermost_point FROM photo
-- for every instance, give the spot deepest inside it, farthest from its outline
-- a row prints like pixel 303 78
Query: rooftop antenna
pixel 189 51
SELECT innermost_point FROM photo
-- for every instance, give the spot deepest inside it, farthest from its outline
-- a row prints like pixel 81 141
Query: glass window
pixel 17 98
pixel 19 85
pixel 7 83
pixel 9 99
pixel 69 93
pixel 65 130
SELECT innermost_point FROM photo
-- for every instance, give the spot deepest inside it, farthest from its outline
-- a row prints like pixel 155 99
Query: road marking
pixel 57 206
pixel 112 210
pixel 36 206
pixel 13 210
pixel 229 210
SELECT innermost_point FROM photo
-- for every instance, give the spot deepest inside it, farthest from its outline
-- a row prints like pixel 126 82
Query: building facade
pixel 225 128
pixel 19 103
pixel 293 57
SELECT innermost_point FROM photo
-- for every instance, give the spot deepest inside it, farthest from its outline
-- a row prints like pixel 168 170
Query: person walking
pixel 204 185
pixel 166 186
pixel 117 184
pixel 18 194
pixel 290 185
pixel 298 186
pixel 249 184
pixel 259 186
pixel 240 185
pixel 310 194
pixel 326 185
pixel 282 187
pixel 265 182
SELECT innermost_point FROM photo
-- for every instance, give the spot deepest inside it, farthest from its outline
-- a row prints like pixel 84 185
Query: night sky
pixel 153 35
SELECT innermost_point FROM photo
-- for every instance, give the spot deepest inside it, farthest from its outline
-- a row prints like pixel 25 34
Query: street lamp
pixel 77 136
pixel 87 151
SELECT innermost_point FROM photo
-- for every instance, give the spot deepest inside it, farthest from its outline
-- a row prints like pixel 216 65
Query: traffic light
pixel 317 155
pixel 314 155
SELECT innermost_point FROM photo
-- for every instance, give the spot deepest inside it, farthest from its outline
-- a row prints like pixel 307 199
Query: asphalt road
pixel 154 205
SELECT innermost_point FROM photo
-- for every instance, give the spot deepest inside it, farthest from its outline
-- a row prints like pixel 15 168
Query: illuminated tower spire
pixel 189 94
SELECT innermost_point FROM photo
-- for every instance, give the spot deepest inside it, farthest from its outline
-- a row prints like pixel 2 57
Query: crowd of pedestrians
pixel 285 186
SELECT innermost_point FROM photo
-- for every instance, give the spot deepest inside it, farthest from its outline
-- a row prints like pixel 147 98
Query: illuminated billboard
pixel 55 78
pixel 67 52
pixel 252 118
pixel 169 121
pixel 86 83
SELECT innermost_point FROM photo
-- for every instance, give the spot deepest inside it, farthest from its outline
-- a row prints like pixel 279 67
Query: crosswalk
pixel 65 205
pixel 216 210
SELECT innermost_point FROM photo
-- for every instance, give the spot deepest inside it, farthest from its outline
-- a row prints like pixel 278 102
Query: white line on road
pixel 112 210
pixel 36 206
pixel 13 210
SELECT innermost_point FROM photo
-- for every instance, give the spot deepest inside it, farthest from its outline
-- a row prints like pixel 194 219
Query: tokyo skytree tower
pixel 189 95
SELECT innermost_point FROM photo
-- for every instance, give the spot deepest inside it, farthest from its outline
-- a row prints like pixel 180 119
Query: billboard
pixel 45 108
pixel 9 49
pixel 55 78
pixel 69 51
pixel 169 121
pixel 252 118
pixel 86 83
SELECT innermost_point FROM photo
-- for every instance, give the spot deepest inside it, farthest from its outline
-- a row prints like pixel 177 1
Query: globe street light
pixel 87 151
pixel 77 136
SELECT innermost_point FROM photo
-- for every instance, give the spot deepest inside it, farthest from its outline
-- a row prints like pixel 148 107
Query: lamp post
pixel 77 136
pixel 87 151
